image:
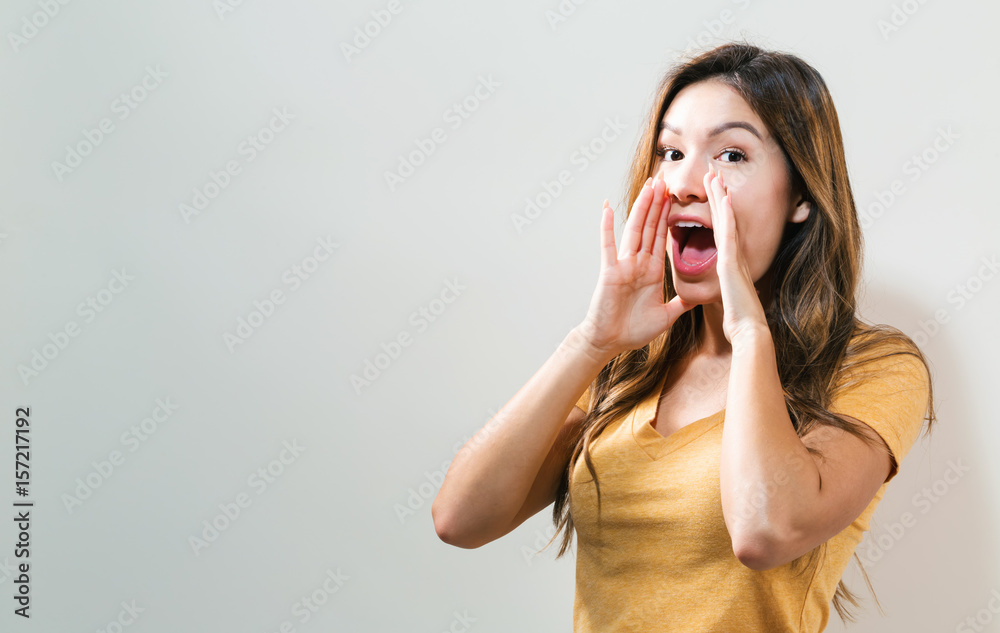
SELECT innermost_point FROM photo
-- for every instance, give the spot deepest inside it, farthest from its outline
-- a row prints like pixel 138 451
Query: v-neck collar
pixel 651 441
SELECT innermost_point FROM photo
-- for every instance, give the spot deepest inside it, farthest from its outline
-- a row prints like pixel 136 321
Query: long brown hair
pixel 817 334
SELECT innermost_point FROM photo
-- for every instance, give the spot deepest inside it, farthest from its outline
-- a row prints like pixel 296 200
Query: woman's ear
pixel 801 212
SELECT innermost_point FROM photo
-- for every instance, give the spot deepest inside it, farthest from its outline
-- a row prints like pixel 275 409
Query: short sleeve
pixel 584 401
pixel 890 395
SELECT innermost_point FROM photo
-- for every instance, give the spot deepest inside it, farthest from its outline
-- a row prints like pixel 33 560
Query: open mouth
pixel 696 242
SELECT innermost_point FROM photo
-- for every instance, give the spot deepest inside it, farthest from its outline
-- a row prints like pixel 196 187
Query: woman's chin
pixel 697 293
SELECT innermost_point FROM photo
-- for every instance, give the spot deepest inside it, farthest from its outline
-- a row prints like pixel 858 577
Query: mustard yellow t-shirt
pixel 662 559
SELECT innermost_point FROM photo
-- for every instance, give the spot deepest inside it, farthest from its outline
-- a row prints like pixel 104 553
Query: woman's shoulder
pixel 884 383
pixel 883 352
pixel 873 342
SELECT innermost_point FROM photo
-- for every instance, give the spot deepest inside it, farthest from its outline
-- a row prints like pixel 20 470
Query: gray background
pixel 367 453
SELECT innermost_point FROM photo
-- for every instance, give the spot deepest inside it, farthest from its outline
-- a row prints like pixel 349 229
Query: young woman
pixel 739 423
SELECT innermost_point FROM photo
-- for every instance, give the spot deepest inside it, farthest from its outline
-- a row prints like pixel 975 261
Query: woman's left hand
pixel 740 301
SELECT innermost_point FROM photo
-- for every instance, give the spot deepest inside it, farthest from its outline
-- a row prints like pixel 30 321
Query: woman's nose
pixel 685 180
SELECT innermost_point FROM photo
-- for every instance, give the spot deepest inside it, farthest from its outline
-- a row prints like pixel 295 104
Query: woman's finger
pixel 660 245
pixel 724 237
pixel 608 254
pixel 632 235
pixel 713 182
pixel 718 226
pixel 653 216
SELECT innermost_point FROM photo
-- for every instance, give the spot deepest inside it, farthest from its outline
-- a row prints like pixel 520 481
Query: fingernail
pixel 648 181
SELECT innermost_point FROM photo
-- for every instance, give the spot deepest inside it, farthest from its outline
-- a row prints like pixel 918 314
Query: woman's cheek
pixel 734 178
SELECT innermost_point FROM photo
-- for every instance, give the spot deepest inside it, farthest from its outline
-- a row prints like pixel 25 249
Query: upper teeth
pixel 691 223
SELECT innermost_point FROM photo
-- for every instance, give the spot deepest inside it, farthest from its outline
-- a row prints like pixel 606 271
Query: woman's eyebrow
pixel 719 129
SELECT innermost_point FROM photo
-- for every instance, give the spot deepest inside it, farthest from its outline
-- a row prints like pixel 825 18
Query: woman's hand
pixel 740 300
pixel 627 309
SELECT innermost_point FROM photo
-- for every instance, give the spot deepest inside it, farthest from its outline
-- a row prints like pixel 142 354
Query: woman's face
pixel 697 131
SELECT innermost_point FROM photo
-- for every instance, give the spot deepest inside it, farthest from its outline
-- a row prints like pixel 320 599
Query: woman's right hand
pixel 627 309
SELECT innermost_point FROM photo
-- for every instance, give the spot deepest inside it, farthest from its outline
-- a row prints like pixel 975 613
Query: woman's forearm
pixel 766 473
pixel 490 477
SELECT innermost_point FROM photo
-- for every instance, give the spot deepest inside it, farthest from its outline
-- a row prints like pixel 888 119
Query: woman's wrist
pixel 579 340
pixel 750 336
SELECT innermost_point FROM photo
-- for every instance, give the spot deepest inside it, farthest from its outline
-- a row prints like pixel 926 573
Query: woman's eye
pixel 672 155
pixel 667 154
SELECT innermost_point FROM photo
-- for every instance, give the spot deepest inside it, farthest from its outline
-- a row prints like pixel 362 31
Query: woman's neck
pixel 711 338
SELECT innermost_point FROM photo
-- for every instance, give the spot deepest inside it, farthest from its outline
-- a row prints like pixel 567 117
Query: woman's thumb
pixel 674 308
